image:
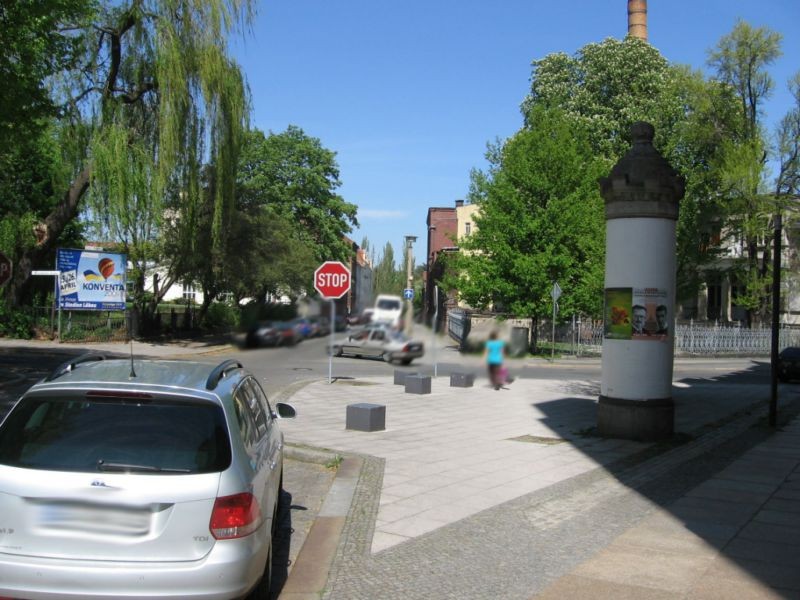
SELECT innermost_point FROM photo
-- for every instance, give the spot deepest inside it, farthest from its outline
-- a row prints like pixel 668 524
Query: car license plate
pixel 89 518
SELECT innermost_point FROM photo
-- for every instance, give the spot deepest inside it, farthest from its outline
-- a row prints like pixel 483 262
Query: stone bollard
pixel 366 417
pixel 400 376
pixel 418 384
pixel 463 380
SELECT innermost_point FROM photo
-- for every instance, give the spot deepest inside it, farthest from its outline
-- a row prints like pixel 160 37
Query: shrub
pixel 221 316
pixel 15 323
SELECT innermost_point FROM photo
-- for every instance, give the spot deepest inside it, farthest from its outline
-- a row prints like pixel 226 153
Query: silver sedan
pixel 380 342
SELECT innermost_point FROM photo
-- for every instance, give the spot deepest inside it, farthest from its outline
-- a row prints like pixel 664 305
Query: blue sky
pixel 409 93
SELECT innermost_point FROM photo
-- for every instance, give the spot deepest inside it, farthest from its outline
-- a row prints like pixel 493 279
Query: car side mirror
pixel 284 411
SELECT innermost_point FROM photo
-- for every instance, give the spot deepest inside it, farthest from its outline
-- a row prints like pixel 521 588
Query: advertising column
pixel 641 197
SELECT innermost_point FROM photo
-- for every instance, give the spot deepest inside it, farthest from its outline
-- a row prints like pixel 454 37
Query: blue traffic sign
pixel 408 293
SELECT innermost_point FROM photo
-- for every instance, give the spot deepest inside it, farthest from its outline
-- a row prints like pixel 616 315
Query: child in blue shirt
pixel 494 353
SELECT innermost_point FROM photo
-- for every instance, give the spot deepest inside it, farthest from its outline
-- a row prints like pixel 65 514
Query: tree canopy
pixel 541 222
pixel 297 178
pixel 150 99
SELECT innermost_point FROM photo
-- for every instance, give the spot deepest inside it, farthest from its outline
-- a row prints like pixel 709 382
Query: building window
pixel 189 292
pixel 467 228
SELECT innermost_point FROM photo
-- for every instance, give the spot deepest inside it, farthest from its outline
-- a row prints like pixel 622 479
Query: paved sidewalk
pixel 737 535
pixel 524 460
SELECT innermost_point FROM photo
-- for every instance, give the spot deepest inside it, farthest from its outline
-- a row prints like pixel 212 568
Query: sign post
pixel 332 281
pixel 555 294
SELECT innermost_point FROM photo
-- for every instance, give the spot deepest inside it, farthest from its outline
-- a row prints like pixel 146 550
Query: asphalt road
pixel 279 368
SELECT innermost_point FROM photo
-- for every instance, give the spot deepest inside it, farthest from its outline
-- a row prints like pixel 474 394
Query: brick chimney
pixel 637 19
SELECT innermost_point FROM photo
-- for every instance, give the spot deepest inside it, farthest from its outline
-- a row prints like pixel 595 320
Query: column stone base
pixel 641 420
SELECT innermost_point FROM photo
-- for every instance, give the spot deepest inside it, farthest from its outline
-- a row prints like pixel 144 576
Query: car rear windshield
pixel 115 434
pixel 384 304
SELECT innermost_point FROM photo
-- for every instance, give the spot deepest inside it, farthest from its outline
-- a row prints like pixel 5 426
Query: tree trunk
pixel 64 212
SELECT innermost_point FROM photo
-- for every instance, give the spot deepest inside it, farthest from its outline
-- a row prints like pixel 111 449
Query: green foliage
pixel 15 323
pixel 170 101
pixel 39 40
pixel 605 88
pixel 221 316
pixel 386 277
pixel 254 312
pixel 541 221
pixel 292 174
pixel 741 59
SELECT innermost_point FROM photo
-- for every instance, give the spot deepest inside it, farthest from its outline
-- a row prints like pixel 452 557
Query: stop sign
pixel 5 269
pixel 332 280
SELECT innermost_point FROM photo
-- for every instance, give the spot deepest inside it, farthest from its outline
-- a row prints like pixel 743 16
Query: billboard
pixel 90 280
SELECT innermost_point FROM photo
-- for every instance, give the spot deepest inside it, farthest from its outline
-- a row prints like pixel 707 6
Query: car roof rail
pixel 220 371
pixel 70 365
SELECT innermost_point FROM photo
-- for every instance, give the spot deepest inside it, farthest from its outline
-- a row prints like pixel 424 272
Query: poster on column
pixel 90 280
pixel 649 314
pixel 617 322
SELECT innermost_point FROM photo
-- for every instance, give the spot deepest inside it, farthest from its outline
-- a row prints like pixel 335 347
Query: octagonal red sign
pixel 5 269
pixel 332 280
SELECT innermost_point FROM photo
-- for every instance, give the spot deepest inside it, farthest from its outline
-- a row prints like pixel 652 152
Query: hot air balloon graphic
pixel 106 267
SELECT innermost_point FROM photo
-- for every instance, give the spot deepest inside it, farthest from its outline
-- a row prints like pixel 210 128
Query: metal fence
pixel 108 326
pixel 584 337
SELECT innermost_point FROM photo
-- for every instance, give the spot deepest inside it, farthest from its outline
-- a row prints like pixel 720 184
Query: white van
pixel 388 309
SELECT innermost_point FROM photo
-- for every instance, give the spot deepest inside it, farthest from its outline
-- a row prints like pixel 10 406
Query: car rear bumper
pixel 230 570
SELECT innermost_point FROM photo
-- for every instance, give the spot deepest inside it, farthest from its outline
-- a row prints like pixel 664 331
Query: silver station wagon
pixel 140 479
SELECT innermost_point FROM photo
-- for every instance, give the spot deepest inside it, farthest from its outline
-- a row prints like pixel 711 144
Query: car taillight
pixel 235 516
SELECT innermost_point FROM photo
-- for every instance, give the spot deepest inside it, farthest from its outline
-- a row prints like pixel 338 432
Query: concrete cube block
pixel 462 379
pixel 418 384
pixel 366 417
pixel 400 376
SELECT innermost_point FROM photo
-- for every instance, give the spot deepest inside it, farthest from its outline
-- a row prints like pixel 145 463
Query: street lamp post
pixel 410 239
pixel 776 304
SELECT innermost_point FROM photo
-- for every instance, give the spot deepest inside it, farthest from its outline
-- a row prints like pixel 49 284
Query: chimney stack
pixel 459 203
pixel 637 19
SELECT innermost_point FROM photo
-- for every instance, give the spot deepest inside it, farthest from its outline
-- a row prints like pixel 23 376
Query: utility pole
pixel 410 239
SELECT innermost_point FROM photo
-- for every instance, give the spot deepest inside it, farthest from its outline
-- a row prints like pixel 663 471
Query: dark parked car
pixel 140 478
pixel 789 364
pixel 303 327
pixel 267 333
pixel 340 323
pixel 322 325
pixel 272 333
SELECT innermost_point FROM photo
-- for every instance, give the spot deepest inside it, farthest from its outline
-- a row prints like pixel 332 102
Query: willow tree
pixel 154 97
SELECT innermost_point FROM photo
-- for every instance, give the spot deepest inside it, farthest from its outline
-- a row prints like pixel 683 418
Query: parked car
pixel 340 323
pixel 362 318
pixel 140 478
pixel 303 327
pixel 289 334
pixel 789 363
pixel 272 333
pixel 379 341
pixel 267 333
pixel 321 325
